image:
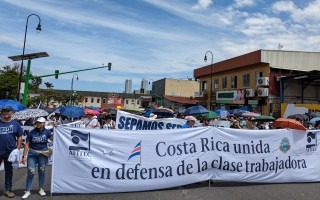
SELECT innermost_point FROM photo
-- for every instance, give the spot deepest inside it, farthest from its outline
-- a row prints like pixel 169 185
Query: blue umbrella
pixel 17 106
pixel 164 112
pixel 239 112
pixel 93 108
pixel 245 107
pixel 222 110
pixel 196 110
pixel 314 120
pixel 72 111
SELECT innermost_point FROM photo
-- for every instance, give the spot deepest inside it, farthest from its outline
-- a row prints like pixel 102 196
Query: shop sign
pixel 230 97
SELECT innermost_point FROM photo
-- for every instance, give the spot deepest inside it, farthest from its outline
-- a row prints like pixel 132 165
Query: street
pixel 199 191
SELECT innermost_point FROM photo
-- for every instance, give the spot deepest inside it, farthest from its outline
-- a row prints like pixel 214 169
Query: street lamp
pixel 71 94
pixel 24 46
pixel 211 87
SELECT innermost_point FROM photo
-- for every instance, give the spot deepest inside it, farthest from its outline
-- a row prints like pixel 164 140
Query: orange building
pixel 253 79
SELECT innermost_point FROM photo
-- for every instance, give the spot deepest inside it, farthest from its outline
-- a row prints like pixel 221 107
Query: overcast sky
pixel 151 39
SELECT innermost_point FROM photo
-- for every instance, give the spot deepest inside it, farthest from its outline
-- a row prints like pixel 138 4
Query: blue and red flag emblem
pixel 136 151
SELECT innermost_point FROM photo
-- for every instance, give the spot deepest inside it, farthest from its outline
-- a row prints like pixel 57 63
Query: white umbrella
pixel 29 113
pixel 250 114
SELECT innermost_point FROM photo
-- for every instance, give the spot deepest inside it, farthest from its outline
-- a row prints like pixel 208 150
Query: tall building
pixel 144 85
pixel 128 86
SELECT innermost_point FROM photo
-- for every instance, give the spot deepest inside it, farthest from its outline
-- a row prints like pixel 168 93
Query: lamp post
pixel 211 84
pixel 24 46
pixel 71 103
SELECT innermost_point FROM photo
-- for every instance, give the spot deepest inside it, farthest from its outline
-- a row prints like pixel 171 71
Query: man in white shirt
pixel 91 121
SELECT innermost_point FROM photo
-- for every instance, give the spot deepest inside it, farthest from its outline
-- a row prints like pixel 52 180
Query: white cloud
pixel 184 11
pixel 202 4
pixel 243 3
pixel 9 40
pixel 229 15
pixel 261 24
pixel 306 14
pixel 77 18
pixel 284 6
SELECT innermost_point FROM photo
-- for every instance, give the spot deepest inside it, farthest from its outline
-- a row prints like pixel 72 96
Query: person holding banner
pixel 190 122
pixel 108 123
pixel 10 139
pixel 91 121
pixel 36 152
pixel 206 121
pixel 316 125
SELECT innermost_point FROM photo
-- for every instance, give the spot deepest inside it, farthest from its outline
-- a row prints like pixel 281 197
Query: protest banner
pixel 128 121
pixel 78 124
pixel 124 161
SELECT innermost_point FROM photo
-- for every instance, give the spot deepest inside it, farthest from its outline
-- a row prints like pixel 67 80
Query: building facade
pixel 175 87
pixel 254 79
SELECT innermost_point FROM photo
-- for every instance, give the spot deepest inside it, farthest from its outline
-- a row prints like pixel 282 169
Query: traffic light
pixel 56 74
pixel 109 66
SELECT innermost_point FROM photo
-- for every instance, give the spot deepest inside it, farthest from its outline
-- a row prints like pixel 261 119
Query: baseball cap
pixel 191 118
pixel 41 119
pixel 8 108
pixel 89 112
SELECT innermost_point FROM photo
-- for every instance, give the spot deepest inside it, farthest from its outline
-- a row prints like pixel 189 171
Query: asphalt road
pixel 197 191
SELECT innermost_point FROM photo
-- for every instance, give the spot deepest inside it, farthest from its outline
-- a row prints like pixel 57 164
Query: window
pixel 258 75
pixel 104 100
pixel 233 81
pixel 138 102
pixel 86 100
pixel 204 85
pixel 98 100
pixel 216 83
pixel 246 80
pixel 132 101
pixel 127 101
pixel 92 99
pixel 224 82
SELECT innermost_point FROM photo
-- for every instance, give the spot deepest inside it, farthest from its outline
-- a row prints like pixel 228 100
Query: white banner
pixel 102 161
pixel 78 124
pixel 128 121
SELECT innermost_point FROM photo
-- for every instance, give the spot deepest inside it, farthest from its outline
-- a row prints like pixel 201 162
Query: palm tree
pixel 48 85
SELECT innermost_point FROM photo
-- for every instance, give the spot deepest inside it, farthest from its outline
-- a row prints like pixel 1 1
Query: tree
pixel 9 78
pixel 34 84
pixel 49 85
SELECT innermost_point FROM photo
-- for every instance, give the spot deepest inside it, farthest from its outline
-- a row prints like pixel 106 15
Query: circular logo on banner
pixel 285 145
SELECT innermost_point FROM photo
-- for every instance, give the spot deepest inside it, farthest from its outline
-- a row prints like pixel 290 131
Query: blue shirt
pixel 9 131
pixel 186 125
pixel 38 139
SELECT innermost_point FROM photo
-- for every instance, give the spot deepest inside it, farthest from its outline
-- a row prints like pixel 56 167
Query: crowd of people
pixel 102 121
pixel 36 151
pixel 243 122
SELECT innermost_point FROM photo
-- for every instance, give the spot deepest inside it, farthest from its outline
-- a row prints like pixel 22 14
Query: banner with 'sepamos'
pixel 96 161
pixel 128 121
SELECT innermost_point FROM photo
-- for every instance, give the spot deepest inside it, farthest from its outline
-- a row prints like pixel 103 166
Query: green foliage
pixel 9 78
pixel 34 84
